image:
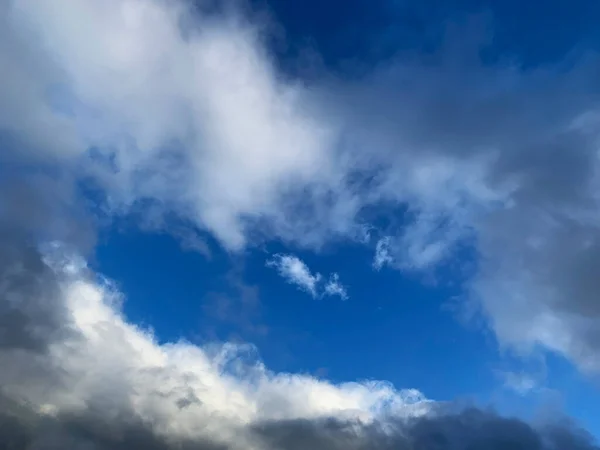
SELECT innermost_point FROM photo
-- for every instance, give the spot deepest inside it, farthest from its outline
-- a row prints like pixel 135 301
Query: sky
pixel 279 225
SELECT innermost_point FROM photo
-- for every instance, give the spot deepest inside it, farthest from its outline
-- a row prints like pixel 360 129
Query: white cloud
pixel 382 253
pixel 183 390
pixel 334 287
pixel 200 122
pixel 296 272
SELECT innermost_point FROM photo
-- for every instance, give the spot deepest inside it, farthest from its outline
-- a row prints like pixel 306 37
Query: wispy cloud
pixel 382 255
pixel 296 272
pixel 520 382
pixel 334 287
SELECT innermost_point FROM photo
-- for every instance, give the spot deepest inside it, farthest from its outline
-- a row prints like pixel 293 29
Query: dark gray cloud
pixel 470 429
pixel 35 209
pixel 31 315
pixel 21 429
pixel 507 159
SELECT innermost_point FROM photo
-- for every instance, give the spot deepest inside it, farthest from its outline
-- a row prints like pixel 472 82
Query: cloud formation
pixel 335 287
pixel 296 272
pixel 157 106
pixel 382 254
pixel 73 370
pixel 218 139
pixel 86 378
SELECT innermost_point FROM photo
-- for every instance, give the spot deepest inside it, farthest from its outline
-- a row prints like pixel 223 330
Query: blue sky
pixel 404 329
pixel 245 207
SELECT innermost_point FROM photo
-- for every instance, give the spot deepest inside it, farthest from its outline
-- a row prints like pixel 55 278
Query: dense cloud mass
pixel 152 105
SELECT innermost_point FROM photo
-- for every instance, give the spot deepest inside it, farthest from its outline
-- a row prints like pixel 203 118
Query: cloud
pixel 382 253
pixel 202 124
pixel 334 287
pixel 296 272
pixel 75 373
pixel 473 429
pixel 173 111
pixel 105 384
pixel 520 382
pixel 104 381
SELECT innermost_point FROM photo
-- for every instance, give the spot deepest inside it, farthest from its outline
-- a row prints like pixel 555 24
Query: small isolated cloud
pixel 334 287
pixel 382 254
pixel 295 271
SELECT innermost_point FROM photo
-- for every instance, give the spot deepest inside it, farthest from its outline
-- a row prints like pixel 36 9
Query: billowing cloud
pixel 73 367
pixel 159 107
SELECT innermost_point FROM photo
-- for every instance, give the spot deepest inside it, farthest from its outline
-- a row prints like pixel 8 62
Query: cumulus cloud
pixel 181 109
pixel 505 160
pixel 84 373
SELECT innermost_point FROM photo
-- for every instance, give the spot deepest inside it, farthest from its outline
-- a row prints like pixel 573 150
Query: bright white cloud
pixel 183 390
pixel 296 272
pixel 200 122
